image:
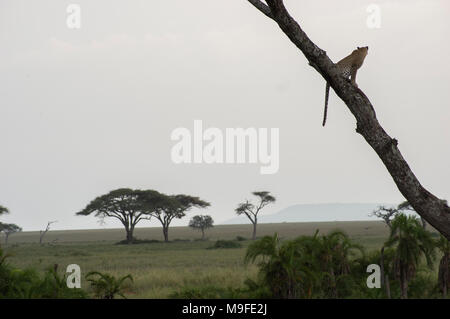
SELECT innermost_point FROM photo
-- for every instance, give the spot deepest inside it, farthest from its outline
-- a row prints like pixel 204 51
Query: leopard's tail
pixel 327 94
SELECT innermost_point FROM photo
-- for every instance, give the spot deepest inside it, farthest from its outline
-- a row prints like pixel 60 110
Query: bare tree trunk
pixel 43 232
pixel 203 234
pixel 41 236
pixel 404 285
pixel 434 210
pixel 129 236
pixel 424 222
pixel 444 291
pixel 166 233
pixel 384 276
pixel 444 275
pixel 254 231
pixel 382 267
pixel 388 287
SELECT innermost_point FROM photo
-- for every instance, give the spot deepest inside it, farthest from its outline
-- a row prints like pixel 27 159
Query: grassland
pixel 160 269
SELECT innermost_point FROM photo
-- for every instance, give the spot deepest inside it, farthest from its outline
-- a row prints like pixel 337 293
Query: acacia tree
pixel 251 211
pixel 127 205
pixel 175 206
pixel 201 222
pixel 435 211
pixel 3 210
pixel 9 229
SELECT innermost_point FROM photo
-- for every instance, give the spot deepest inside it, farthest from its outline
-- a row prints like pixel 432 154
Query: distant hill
pixel 315 213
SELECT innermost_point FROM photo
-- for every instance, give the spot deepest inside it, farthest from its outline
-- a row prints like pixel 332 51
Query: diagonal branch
pixel 262 7
pixel 434 210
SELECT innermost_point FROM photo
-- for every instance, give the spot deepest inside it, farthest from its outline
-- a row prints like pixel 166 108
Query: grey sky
pixel 86 111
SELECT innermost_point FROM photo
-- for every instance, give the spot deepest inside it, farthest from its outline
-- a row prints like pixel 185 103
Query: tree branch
pixel 262 7
pixel 434 210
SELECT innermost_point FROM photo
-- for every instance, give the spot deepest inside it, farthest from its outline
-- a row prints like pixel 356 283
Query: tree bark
pixel 444 274
pixel 424 222
pixel 434 210
pixel 382 267
pixel 384 277
pixel 404 284
pixel 388 286
pixel 129 233
pixel 254 230
pixel 166 233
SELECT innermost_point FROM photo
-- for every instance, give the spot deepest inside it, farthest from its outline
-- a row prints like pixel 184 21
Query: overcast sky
pixel 84 111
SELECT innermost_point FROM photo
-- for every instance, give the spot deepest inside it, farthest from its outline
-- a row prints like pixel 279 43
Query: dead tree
pixel 434 210
pixel 43 232
pixel 386 214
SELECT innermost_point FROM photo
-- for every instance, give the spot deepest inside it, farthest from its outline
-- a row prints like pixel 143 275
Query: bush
pixel 306 267
pixel 240 238
pixel 225 244
pixel 138 241
pixel 27 284
pixel 250 291
pixel 107 286
pixel 207 292
pixel 424 286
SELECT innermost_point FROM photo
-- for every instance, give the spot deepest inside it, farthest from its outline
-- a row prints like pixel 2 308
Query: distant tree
pixel 201 222
pixel 387 214
pixel 127 205
pixel 175 206
pixel 9 229
pixel 410 242
pixel 443 244
pixel 106 286
pixel 3 210
pixel 43 232
pixel 251 211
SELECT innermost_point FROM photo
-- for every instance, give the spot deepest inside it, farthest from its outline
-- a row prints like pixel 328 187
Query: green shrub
pixel 27 284
pixel 424 286
pixel 107 286
pixel 226 244
pixel 250 291
pixel 306 267
pixel 207 292
pixel 138 241
pixel 17 283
